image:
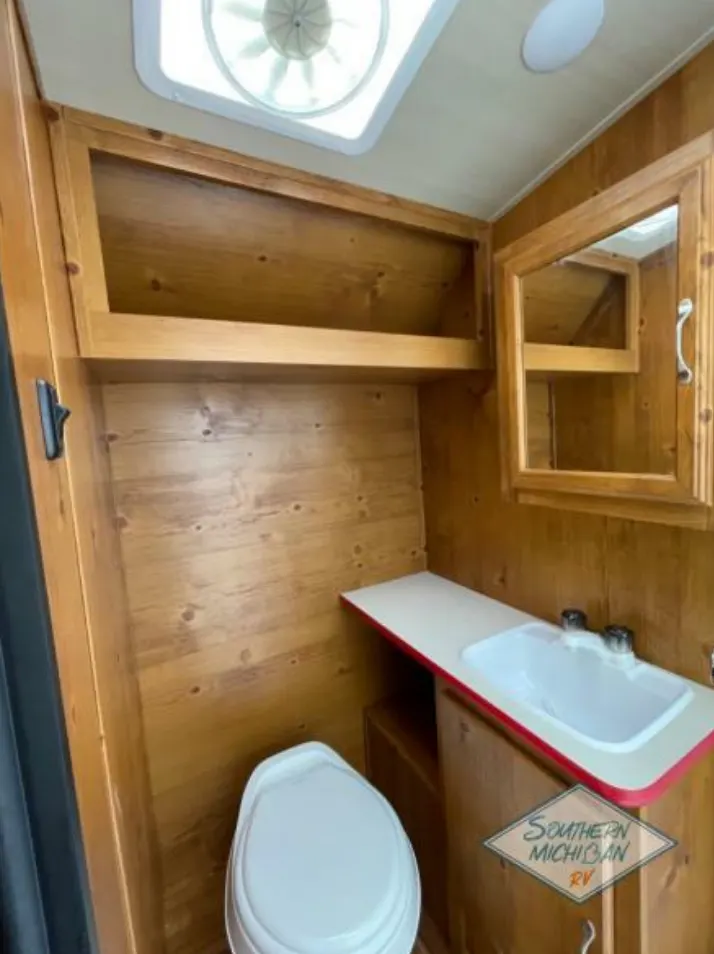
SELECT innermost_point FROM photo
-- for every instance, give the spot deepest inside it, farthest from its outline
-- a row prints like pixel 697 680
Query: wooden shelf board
pixel 568 359
pixel 130 346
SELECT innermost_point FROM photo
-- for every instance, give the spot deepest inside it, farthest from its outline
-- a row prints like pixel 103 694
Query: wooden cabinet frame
pixel 203 346
pixel 684 177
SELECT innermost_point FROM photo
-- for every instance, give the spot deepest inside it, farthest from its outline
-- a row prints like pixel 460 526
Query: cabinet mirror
pixel 607 300
pixel 604 330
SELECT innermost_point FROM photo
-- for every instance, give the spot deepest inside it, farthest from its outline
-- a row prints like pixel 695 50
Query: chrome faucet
pixel 573 620
pixel 619 639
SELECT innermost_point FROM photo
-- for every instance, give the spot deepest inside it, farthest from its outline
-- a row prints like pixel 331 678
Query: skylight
pixel 327 71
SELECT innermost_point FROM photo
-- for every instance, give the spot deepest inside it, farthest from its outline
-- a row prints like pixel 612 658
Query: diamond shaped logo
pixel 579 843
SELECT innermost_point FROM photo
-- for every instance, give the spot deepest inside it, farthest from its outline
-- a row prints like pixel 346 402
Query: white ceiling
pixel 474 132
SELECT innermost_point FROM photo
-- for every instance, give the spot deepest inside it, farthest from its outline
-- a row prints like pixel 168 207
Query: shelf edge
pixel 140 338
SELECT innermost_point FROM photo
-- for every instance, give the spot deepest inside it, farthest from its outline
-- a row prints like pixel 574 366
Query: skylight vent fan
pixel 328 72
pixel 297 57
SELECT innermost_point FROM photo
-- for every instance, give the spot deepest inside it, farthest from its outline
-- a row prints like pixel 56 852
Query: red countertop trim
pixel 625 798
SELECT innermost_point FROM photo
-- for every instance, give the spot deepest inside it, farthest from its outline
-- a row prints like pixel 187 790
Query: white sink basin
pixel 609 702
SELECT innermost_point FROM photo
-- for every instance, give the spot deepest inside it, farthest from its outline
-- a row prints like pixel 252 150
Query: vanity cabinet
pixel 494 907
pixel 605 350
pixel 490 781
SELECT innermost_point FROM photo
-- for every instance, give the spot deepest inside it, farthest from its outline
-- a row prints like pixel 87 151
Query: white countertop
pixel 436 620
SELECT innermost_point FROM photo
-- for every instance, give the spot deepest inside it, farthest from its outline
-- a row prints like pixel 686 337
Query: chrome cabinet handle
pixel 589 935
pixel 684 373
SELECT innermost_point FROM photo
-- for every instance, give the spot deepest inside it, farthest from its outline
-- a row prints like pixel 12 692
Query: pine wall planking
pixel 184 246
pixel 244 509
pixel 656 579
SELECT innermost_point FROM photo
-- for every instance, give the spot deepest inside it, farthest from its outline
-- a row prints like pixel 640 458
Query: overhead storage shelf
pixel 198 344
pixel 165 245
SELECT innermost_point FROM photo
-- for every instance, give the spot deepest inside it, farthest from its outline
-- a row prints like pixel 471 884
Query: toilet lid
pixel 321 862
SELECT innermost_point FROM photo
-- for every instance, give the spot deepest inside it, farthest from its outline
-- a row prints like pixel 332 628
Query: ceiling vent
pixel 330 72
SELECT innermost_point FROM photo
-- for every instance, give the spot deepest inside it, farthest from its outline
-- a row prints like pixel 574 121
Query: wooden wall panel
pixel 656 579
pixel 183 246
pixel 244 510
pixel 402 757
pixel 540 421
pixel 675 905
pixel 650 577
pixel 76 529
pixel 679 111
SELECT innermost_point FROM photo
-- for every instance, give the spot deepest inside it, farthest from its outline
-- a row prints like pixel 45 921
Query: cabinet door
pixel 605 332
pixel 495 907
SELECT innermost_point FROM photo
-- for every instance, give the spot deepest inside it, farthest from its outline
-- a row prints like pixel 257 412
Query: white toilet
pixel 320 863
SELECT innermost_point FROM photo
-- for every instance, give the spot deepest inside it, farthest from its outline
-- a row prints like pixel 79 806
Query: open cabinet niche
pixel 254 341
pixel 219 267
pixel 188 247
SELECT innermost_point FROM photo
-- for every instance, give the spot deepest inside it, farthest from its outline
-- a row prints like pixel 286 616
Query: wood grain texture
pixel 31 345
pixel 110 371
pixel 244 510
pixel 656 579
pixel 76 529
pixel 684 176
pixel 155 147
pixel 653 911
pixel 540 425
pixel 614 321
pixel 607 261
pixel 462 313
pixel 676 890
pixel 430 939
pixel 495 907
pixel 627 422
pixel 651 187
pixel 138 338
pixel 80 230
pixel 179 245
pixel 557 300
pixel 577 359
pixel 402 763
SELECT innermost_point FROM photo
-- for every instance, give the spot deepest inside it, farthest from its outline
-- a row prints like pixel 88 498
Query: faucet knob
pixel 619 639
pixel 573 620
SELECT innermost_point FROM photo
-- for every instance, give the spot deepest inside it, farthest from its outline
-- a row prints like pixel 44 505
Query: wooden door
pixel 495 908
